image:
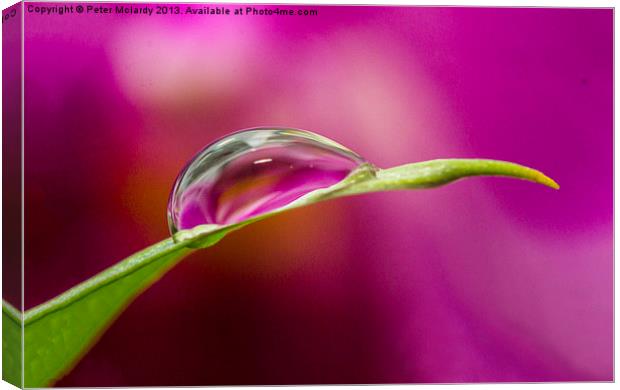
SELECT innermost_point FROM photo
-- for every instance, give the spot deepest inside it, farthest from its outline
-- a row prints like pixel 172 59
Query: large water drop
pixel 252 172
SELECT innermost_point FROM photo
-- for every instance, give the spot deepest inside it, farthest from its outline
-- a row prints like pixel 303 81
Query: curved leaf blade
pixel 435 173
pixel 60 331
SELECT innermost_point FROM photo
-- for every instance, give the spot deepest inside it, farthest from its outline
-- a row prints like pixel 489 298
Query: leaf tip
pixel 543 179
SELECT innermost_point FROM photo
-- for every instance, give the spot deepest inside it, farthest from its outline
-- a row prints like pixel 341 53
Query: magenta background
pixel 483 280
pixel 11 156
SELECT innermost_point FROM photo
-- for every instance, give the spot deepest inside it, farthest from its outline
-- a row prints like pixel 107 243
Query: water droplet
pixel 252 172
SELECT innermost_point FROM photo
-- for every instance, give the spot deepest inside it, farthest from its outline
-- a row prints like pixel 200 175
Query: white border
pixel 509 3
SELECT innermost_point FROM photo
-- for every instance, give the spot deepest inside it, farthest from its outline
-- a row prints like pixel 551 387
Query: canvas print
pixel 199 194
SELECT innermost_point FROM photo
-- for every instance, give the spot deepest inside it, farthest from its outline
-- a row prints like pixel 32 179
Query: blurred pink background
pixel 482 280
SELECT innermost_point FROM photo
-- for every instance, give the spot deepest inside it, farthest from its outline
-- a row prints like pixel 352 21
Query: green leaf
pixel 60 331
pixel 11 345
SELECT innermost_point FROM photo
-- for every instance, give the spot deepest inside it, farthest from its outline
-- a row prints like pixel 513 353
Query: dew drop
pixel 252 172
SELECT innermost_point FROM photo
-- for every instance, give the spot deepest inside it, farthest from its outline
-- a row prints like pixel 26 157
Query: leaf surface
pixel 58 332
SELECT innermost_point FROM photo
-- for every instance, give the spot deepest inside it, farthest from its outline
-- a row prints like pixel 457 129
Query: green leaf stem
pixel 60 331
